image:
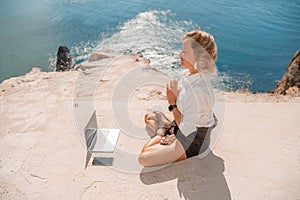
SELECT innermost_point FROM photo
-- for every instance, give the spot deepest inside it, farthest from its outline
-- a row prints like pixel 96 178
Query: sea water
pixel 256 39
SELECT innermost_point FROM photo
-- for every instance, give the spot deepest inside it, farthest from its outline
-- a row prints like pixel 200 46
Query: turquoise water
pixel 256 39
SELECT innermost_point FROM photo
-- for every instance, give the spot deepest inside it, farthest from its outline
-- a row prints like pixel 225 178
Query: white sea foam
pixel 155 35
pixel 158 37
pixel 81 52
pixel 152 34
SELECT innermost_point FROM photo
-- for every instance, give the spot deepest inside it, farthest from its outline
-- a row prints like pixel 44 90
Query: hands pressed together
pixel 172 91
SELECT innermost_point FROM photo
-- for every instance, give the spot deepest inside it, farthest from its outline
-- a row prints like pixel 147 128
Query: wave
pixel 154 34
pixel 157 35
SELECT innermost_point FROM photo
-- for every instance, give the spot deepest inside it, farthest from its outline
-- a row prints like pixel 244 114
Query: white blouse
pixel 195 102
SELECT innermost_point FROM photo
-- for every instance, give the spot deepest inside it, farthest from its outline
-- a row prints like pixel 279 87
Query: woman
pixel 187 131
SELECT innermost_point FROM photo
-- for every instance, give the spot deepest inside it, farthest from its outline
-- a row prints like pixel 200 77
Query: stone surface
pixel 290 83
pixel 42 155
pixel 95 56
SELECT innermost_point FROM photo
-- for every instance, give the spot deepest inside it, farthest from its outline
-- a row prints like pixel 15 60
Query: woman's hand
pixel 172 91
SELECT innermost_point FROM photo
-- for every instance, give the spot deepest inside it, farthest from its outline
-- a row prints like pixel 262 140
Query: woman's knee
pixel 143 159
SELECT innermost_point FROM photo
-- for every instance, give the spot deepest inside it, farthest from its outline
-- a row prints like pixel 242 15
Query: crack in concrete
pixel 88 187
pixel 37 176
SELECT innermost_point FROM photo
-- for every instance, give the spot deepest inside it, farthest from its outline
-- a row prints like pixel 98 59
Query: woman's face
pixel 187 54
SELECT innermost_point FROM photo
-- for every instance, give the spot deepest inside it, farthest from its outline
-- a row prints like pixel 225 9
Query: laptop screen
pixel 90 132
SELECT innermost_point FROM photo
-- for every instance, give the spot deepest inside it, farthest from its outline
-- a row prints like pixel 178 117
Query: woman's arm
pixel 172 92
pixel 177 116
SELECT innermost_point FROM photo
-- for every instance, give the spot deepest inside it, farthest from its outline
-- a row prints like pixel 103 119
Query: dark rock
pixel 291 78
pixel 64 60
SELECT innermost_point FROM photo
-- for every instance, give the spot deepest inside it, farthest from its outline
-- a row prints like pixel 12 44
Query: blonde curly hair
pixel 205 50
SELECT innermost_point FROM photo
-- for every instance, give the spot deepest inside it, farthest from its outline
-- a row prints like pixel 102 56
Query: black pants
pixel 196 142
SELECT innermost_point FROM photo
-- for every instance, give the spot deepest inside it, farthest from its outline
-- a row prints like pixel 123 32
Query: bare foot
pixel 150 121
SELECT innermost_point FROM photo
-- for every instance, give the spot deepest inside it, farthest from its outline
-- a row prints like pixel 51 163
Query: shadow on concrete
pixel 198 178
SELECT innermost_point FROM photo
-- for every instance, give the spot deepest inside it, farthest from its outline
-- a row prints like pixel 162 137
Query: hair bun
pixel 206 40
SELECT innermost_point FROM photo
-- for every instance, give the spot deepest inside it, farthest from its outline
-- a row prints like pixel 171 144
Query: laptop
pixel 99 140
